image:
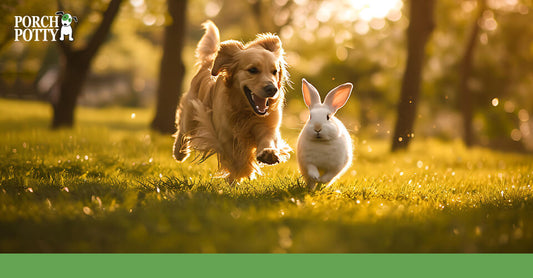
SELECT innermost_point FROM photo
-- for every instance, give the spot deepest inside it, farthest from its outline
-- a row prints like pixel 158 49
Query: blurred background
pixel 474 60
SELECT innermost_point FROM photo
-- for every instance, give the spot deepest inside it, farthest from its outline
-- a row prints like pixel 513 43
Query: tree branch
pixel 101 32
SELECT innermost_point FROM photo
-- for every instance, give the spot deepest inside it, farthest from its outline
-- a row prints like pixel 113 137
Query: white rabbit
pixel 324 148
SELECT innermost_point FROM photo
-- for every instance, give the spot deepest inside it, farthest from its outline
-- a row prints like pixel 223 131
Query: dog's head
pixel 257 70
pixel 66 19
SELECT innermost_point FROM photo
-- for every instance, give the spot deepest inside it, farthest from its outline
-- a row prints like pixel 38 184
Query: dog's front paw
pixel 269 156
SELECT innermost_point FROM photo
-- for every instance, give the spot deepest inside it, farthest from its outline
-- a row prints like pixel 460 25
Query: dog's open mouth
pixel 259 104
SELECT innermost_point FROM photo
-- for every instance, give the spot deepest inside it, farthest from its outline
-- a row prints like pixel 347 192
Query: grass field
pixel 111 185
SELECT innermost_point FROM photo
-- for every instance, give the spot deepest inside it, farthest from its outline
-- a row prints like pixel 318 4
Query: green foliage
pixel 328 42
pixel 110 185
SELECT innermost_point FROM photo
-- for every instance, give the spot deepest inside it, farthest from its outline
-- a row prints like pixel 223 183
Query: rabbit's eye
pixel 327 117
pixel 253 70
pixel 274 72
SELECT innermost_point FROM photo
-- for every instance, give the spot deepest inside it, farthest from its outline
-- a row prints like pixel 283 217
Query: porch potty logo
pixel 44 28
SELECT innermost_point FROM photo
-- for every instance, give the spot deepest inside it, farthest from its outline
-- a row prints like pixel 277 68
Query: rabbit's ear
pixel 337 97
pixel 310 93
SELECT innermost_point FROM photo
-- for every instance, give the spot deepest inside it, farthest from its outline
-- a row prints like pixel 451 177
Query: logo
pixel 66 29
pixel 44 28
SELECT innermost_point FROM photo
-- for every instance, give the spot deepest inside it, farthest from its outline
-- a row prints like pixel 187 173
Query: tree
pixel 74 67
pixel 421 24
pixel 465 95
pixel 172 69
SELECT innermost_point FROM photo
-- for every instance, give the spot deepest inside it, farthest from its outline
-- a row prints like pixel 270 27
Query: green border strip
pixel 265 265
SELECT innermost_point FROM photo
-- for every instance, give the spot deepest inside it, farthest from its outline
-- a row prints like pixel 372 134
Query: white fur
pixel 324 148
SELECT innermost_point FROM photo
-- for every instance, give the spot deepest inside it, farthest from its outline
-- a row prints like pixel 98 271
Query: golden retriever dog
pixel 234 106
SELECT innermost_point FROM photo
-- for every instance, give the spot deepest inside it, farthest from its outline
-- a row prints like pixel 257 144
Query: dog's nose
pixel 270 90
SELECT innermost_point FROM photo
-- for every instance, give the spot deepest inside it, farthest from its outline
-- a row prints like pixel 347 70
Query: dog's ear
pixel 226 56
pixel 269 42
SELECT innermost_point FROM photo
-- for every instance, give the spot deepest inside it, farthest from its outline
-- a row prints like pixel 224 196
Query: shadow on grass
pixel 187 215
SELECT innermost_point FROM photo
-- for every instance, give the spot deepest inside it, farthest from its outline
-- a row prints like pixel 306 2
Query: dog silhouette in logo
pixel 66 29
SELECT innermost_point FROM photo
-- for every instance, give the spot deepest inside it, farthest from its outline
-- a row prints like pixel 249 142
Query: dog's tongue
pixel 260 103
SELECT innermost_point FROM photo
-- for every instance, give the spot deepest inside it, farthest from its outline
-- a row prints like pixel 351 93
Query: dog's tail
pixel 208 45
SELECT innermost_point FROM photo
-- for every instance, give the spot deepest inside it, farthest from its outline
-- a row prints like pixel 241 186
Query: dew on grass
pixel 87 210
pixel 65 189
pixel 419 164
pixel 150 160
pixel 132 116
pixel 157 189
pixel 86 157
pixel 97 200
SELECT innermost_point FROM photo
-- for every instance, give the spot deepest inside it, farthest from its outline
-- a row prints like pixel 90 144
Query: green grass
pixel 111 185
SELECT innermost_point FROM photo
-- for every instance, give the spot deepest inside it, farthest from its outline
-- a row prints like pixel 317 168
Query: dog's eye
pixel 275 72
pixel 327 117
pixel 253 70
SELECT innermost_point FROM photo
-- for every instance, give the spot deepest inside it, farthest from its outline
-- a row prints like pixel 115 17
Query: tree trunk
pixel 421 24
pixel 172 69
pixel 465 95
pixel 73 72
pixel 75 67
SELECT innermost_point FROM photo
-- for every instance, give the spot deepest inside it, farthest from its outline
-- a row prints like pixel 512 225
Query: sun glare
pixel 376 9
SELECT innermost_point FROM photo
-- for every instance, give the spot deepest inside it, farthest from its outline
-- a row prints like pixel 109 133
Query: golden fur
pixel 216 115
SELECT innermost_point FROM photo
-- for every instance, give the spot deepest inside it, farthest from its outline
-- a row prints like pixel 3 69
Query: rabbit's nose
pixel 317 128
